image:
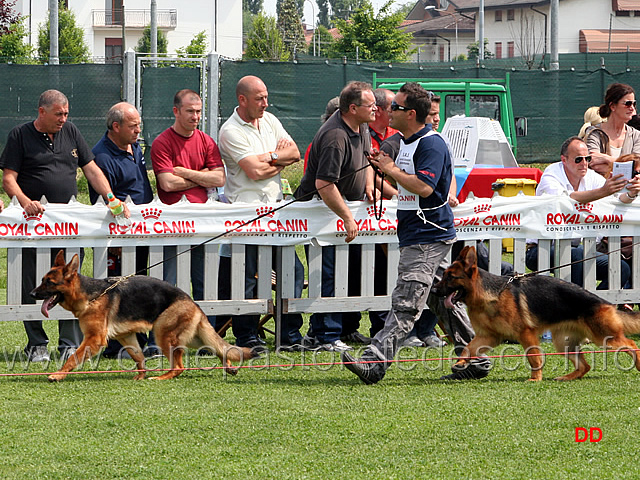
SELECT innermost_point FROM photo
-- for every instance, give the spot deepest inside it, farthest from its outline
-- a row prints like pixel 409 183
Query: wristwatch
pixel 274 159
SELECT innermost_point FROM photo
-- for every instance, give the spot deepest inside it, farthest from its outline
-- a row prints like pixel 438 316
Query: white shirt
pixel 240 139
pixel 554 181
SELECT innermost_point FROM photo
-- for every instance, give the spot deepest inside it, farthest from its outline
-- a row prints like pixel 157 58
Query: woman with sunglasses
pixel 610 140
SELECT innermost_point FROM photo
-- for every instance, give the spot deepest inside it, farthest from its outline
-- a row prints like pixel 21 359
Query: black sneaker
pixel 369 373
pixel 256 347
pixel 356 337
pixel 469 371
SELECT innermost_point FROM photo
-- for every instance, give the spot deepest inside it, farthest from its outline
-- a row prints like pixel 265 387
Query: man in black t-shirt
pixel 41 158
pixel 338 154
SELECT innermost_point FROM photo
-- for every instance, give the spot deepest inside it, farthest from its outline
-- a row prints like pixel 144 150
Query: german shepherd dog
pixel 136 304
pixel 520 309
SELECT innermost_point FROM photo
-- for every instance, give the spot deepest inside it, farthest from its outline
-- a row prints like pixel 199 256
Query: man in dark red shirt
pixel 187 162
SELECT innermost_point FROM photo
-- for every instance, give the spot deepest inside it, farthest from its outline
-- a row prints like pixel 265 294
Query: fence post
pixel 213 92
pixel 129 77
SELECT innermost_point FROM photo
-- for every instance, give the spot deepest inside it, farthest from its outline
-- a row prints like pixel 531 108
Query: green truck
pixel 475 97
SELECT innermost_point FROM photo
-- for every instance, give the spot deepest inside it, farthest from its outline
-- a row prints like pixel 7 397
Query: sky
pixel 270 7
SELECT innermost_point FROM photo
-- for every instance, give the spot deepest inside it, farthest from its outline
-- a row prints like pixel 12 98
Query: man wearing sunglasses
pixel 423 172
pixel 573 175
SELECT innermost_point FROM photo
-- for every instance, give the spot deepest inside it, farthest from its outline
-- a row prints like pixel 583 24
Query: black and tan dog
pixel 136 304
pixel 521 309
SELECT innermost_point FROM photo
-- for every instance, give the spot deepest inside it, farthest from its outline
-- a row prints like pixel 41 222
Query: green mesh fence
pixel 552 102
pixel 159 85
pixel 91 89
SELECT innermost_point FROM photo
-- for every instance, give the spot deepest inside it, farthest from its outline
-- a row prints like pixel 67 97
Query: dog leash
pixel 518 276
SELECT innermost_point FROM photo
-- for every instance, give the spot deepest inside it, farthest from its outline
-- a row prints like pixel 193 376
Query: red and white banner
pixel 76 224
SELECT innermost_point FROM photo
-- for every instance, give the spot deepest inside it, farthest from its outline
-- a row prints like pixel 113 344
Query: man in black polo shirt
pixel 338 154
pixel 41 158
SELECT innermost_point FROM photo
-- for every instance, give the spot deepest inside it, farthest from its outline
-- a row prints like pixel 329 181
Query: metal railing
pixel 133 18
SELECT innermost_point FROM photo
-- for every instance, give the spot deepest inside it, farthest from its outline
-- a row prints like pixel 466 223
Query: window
pixel 479 106
pixel 511 49
pixel 511 15
pixel 498 15
pixel 498 49
pixel 112 50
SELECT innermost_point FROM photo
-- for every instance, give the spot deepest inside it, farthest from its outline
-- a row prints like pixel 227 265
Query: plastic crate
pixel 509 187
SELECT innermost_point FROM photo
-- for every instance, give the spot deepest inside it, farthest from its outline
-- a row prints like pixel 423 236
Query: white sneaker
pixel 64 356
pixel 337 346
pixel 413 341
pixel 434 341
pixel 39 354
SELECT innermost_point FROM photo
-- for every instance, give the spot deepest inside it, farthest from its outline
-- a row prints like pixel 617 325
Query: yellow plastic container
pixel 509 187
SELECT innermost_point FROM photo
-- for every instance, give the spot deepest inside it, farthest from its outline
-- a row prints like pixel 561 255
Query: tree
pixel 344 9
pixel 13 47
pixel 472 50
pixel 196 48
pixel 290 25
pixel 299 6
pixel 527 41
pixel 253 6
pixel 323 13
pixel 8 16
pixel 72 47
pixel 373 37
pixel 324 42
pixel 144 43
pixel 265 41
pixel 405 8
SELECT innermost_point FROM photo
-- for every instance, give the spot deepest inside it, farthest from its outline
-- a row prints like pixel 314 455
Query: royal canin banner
pixel 79 225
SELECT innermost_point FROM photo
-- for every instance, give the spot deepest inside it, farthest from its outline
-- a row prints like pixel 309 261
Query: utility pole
pixel 554 64
pixel 54 55
pixel 481 31
pixel 154 32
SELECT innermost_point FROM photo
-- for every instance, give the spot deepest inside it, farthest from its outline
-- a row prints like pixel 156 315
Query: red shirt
pixel 378 138
pixel 196 152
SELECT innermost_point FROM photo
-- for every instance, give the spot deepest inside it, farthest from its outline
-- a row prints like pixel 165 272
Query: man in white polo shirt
pixel 255 148
pixel 573 175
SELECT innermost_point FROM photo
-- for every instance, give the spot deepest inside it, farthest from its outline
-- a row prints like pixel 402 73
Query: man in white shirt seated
pixel 572 174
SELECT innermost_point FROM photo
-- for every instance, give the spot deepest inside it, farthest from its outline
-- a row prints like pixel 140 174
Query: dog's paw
pixel 231 370
pixel 56 377
pixel 140 376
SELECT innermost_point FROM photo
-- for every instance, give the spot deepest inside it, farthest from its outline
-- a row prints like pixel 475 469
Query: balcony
pixel 133 18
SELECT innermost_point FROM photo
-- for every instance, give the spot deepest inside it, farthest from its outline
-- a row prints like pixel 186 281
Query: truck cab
pixel 489 98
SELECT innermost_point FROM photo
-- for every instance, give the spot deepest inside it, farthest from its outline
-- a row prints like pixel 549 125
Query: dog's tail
pixel 631 322
pixel 226 353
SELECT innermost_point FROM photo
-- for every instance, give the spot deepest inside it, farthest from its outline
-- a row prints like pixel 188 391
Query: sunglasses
pixel 395 106
pixel 629 103
pixel 586 158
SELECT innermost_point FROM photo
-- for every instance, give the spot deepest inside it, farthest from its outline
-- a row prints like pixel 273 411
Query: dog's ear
pixel 72 266
pixel 59 261
pixel 468 258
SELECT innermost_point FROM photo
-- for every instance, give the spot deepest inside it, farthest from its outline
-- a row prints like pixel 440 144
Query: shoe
pixel 255 346
pixel 66 353
pixel 434 341
pixel 310 343
pixel 296 347
pixel 366 371
pixel 356 337
pixel 337 346
pixel 38 354
pixel 413 341
pixel 469 371
pixel 152 351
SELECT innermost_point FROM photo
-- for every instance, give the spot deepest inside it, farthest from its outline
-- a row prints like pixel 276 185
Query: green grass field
pixel 318 422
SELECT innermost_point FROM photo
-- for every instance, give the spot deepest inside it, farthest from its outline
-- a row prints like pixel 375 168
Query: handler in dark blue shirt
pixel 119 156
pixel 423 172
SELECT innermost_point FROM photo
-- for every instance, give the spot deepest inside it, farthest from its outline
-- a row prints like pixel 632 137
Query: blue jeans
pixel 326 327
pixel 577 276
pixel 245 327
